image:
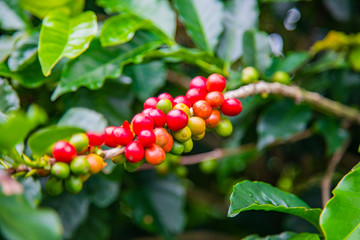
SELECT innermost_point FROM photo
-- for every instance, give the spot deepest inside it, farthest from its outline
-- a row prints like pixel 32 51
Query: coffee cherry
pixel 96 163
pixel 60 170
pixel 146 111
pixel 202 109
pixel 177 148
pixel 131 167
pixel 151 102
pixel 85 177
pixel 181 171
pixel 208 166
pixel 183 107
pixel 166 96
pixel 63 151
pixel 141 122
pixel 155 155
pixel 73 184
pixel 182 99
pixel 79 165
pixel 158 116
pixel 195 94
pixel 176 120
pixel 188 145
pixel 215 99
pixel 147 138
pixel 197 125
pixel 198 82
pixel 54 186
pixel 281 77
pixel 96 138
pixel 119 159
pixel 224 128
pixel 214 119
pixel 163 168
pixel 182 135
pixel 109 138
pixel 215 82
pixel 198 137
pixel 122 136
pixel 231 107
pixel 249 75
pixel 162 136
pixel 169 144
pixel 80 141
pixel 134 152
pixel 164 105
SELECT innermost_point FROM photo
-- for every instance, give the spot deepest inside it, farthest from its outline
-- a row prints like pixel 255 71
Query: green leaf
pixel 239 17
pixel 256 50
pixel 158 11
pixel 18 220
pixel 25 52
pixel 6 45
pixel 121 28
pixel 62 36
pixel 40 8
pixel 17 126
pixel 285 236
pixel 72 209
pixel 249 195
pixel 12 16
pixel 292 62
pixel 340 217
pixel 95 65
pixel 42 139
pixel 84 118
pixel 9 100
pixel 334 134
pixel 159 199
pixel 203 21
pixel 280 121
pixel 147 78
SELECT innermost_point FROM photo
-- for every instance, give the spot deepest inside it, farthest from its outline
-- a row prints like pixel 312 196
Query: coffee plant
pixel 139 119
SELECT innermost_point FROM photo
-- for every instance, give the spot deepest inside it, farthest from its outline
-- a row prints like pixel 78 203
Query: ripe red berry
pixel 231 107
pixel 166 96
pixel 202 109
pixel 147 138
pixel 134 152
pixel 214 119
pixel 195 94
pixel 141 122
pixel 146 111
pixel 176 119
pixel 150 102
pixel 122 136
pixel 215 82
pixel 162 136
pixel 96 138
pixel 215 99
pixel 182 99
pixel 63 151
pixel 158 116
pixel 109 139
pixel 155 155
pixel 198 82
pixel 169 144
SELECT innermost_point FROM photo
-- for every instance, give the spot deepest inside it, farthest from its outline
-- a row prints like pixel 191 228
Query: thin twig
pixel 326 182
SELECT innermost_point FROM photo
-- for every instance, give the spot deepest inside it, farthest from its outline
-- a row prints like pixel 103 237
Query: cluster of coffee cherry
pixel 166 126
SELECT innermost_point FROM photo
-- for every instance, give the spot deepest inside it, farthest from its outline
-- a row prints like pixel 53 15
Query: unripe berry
pixel 96 138
pixel 109 138
pixel 54 186
pixel 162 136
pixel 80 165
pixel 183 135
pixel 96 163
pixel 122 136
pixel 73 184
pixel 182 107
pixel 151 102
pixel 63 151
pixel 215 82
pixel 182 99
pixel 142 122
pixel 60 170
pixel 80 141
pixel 224 128
pixel 176 120
pixel 166 96
pixel 281 77
pixel 197 125
pixel 134 152
pixel 164 105
pixel 198 137
pixel 177 148
pixel 198 82
pixel 249 75
pixel 188 145
pixel 231 107
pixel 195 94
pixel 147 138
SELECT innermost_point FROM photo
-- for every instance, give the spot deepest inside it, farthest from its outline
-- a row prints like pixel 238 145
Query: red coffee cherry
pixel 150 102
pixel 215 82
pixel 141 122
pixel 169 144
pixel 176 119
pixel 109 139
pixel 155 155
pixel 158 116
pixel 146 111
pixel 231 107
pixel 134 152
pixel 195 94
pixel 162 136
pixel 215 99
pixel 63 151
pixel 198 82
pixel 166 96
pixel 214 119
pixel 147 138
pixel 202 109
pixel 122 136
pixel 182 99
pixel 96 138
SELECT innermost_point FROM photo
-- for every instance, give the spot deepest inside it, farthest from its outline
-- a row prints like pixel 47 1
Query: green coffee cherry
pixel 181 171
pixel 73 184
pixel 120 159
pixel 208 166
pixel 131 167
pixel 79 165
pixel 80 141
pixel 224 128
pixel 54 186
pixel 249 75
pixel 182 135
pixel 172 158
pixel 60 170
pixel 164 105
pixel 281 77
pixel 188 145
pixel 177 148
